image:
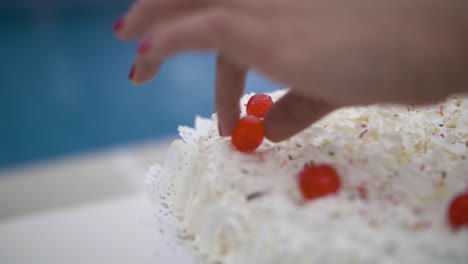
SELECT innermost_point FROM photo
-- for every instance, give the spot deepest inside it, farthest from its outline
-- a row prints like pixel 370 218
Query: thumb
pixel 292 114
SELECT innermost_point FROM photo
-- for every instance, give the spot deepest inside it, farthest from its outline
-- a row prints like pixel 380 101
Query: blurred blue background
pixel 64 86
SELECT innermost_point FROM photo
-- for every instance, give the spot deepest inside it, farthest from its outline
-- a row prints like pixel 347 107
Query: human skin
pixel 331 53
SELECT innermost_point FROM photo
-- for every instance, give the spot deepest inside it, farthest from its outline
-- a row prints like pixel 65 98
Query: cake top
pixel 399 169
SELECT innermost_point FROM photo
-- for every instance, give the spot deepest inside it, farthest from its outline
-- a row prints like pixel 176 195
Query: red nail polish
pixel 144 46
pixel 132 72
pixel 118 25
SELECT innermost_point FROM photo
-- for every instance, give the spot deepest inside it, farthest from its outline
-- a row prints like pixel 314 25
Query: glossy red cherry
pixel 458 211
pixel 259 104
pixel 248 134
pixel 318 180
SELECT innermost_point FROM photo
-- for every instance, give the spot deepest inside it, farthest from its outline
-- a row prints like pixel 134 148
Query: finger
pixel 145 13
pixel 230 83
pixel 292 114
pixel 238 36
pixel 141 73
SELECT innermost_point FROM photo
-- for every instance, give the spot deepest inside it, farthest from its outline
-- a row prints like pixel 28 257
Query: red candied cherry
pixel 259 104
pixel 248 134
pixel 318 180
pixel 458 211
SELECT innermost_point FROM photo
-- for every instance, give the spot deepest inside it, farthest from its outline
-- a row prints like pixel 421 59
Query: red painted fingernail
pixel 144 46
pixel 132 72
pixel 118 25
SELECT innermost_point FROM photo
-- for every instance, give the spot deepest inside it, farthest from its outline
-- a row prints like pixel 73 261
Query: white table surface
pixel 102 232
pixel 86 209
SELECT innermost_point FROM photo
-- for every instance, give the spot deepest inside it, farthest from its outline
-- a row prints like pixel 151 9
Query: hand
pixel 332 53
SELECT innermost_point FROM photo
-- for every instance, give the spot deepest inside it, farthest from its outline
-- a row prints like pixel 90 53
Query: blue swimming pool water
pixel 64 86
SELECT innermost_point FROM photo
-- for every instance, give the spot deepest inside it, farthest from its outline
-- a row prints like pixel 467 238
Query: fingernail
pixel 144 46
pixel 132 72
pixel 118 25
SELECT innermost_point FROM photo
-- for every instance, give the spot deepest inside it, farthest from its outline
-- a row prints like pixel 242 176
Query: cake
pixel 399 167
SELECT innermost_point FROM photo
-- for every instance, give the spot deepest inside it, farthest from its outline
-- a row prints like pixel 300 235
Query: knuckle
pixel 220 21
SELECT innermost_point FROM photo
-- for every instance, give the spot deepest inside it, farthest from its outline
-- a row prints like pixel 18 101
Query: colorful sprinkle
pixel 363 133
pixel 422 167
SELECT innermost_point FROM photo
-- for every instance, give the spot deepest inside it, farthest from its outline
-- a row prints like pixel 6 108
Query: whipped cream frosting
pixel 399 167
